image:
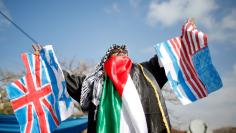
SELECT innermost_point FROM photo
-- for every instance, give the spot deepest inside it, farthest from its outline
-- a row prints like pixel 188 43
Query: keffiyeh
pixel 93 83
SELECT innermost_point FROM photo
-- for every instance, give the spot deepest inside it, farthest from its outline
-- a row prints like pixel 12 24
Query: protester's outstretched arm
pixel 73 85
pixel 153 66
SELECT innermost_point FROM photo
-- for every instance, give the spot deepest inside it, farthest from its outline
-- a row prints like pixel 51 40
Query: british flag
pixel 37 97
pixel 188 64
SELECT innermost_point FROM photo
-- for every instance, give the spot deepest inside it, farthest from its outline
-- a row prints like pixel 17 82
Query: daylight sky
pixel 83 30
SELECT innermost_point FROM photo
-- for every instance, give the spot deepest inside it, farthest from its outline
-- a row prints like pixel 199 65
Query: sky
pixel 83 30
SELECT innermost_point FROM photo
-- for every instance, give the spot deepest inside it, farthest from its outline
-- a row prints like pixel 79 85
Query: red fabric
pixel 187 47
pixel 118 69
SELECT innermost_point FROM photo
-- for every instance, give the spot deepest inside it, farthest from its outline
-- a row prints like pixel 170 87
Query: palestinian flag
pixel 120 109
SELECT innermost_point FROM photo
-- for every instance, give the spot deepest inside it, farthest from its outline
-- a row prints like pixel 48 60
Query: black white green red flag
pixel 120 109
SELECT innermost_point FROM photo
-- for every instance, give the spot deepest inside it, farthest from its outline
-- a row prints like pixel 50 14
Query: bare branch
pixel 169 95
pixel 79 68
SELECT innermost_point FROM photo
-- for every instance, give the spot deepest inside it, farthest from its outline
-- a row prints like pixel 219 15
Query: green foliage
pixel 5 106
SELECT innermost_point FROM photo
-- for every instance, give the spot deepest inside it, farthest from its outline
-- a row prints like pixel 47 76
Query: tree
pixel 5 78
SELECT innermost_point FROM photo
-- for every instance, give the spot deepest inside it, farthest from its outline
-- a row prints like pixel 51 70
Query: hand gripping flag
pixel 39 99
pixel 188 65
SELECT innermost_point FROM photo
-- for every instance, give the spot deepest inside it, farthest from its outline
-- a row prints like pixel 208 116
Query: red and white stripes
pixel 192 38
pixel 184 47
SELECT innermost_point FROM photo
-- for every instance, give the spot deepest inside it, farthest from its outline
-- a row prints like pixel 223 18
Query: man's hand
pixel 192 21
pixel 37 48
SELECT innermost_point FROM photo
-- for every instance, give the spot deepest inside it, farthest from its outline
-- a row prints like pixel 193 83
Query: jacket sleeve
pixel 73 85
pixel 157 71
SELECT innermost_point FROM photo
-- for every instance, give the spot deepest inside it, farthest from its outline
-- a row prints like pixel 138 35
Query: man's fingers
pixel 37 48
pixel 192 20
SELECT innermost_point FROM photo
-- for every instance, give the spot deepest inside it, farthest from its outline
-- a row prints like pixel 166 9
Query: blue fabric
pixel 206 71
pixel 9 124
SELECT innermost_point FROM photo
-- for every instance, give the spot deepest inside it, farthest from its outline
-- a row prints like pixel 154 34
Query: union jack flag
pixel 188 64
pixel 37 97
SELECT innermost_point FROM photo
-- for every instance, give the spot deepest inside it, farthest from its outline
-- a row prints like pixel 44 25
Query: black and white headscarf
pixel 94 81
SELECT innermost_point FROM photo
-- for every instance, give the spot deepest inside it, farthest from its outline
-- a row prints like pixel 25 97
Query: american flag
pixel 37 97
pixel 188 64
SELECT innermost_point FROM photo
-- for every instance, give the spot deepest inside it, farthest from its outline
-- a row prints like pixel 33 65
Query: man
pixel 122 96
pixel 148 79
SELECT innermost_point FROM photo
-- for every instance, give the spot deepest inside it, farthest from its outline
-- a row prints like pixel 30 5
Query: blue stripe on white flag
pixel 58 83
pixel 178 72
pixel 53 82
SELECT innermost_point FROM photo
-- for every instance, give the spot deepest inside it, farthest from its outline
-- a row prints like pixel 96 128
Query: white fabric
pixel 132 115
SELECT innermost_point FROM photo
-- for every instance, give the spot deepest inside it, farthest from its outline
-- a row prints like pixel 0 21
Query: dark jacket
pixel 148 78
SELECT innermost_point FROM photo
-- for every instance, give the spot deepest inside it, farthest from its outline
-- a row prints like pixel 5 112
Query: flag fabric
pixel 188 64
pixel 120 109
pixel 37 97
